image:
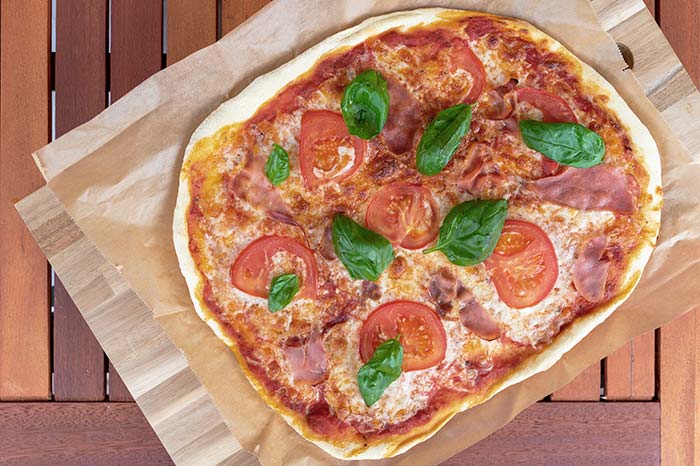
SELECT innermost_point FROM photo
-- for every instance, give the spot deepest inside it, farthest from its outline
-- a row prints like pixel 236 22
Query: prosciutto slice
pixel 591 269
pixel 602 187
pixel 405 117
pixel 308 360
pixel 475 318
pixel 251 186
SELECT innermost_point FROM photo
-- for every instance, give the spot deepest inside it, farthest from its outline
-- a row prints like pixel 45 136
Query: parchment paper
pixel 117 176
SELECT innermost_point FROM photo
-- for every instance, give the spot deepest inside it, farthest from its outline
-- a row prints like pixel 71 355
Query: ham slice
pixel 475 318
pixel 602 187
pixel 251 186
pixel 405 117
pixel 591 270
pixel 446 291
pixel 308 360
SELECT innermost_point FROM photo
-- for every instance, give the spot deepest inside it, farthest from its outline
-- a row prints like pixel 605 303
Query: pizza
pixel 411 216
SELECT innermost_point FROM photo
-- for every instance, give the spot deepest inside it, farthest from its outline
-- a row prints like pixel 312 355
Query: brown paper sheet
pixel 117 177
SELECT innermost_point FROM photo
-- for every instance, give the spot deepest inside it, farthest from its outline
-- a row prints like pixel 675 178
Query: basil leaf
pixel 380 371
pixel 277 165
pixel 566 143
pixel 282 290
pixel 363 252
pixel 442 137
pixel 365 104
pixel 469 233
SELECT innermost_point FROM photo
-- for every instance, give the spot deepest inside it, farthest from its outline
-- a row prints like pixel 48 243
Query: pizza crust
pixel 264 88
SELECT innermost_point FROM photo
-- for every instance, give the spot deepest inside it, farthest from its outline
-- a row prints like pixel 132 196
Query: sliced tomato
pixel 464 58
pixel 327 151
pixel 418 328
pixel 523 266
pixel 254 268
pixel 554 109
pixel 405 214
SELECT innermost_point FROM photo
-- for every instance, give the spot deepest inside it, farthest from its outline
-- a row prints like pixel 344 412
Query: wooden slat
pixel 575 434
pixel 25 369
pixel 679 391
pixel 191 26
pixel 651 4
pixel 585 387
pixel 137 43
pixel 680 22
pixel 81 40
pixel 630 371
pixel 137 46
pixel 234 12
pixel 77 434
pixel 679 353
pixel 572 434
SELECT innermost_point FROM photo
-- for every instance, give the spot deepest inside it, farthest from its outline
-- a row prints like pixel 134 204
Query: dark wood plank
pixel 77 434
pixel 81 41
pixel 572 434
pixel 679 348
pixel 680 22
pixel 679 390
pixel 630 371
pixel 137 43
pixel 191 26
pixel 25 353
pixel 651 4
pixel 234 12
pixel 137 47
pixel 585 387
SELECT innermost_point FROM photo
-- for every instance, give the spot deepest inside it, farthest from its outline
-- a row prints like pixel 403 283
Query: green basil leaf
pixel 363 252
pixel 469 233
pixel 282 290
pixel 566 143
pixel 277 165
pixel 380 371
pixel 442 137
pixel 365 104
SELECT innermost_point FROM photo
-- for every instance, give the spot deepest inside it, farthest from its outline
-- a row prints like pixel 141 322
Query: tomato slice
pixel 327 151
pixel 254 268
pixel 554 109
pixel 523 266
pixel 464 57
pixel 419 329
pixel 405 214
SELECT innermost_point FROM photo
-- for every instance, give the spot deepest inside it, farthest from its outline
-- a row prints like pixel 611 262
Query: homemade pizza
pixel 411 216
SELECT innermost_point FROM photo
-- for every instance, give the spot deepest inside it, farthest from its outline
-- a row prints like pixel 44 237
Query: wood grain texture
pixel 77 434
pixel 585 387
pixel 679 391
pixel 137 35
pixel 80 77
pixel 572 434
pixel 630 371
pixel 25 368
pixel 170 396
pixel 234 12
pixel 679 349
pixel 651 5
pixel 680 22
pixel 191 25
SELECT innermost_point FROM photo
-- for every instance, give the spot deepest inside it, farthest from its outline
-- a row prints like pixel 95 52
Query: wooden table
pixel 61 402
